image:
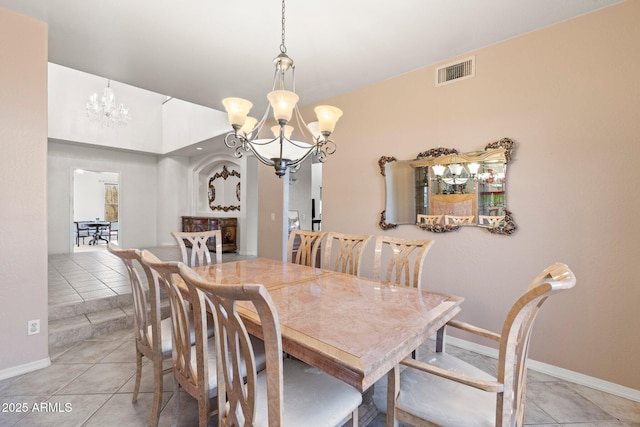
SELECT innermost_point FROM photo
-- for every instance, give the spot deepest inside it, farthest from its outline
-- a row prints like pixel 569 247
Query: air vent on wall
pixel 459 70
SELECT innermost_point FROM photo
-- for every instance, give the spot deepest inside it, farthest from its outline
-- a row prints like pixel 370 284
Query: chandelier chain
pixel 283 48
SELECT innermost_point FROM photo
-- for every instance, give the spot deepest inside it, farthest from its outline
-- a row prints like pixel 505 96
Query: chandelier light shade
pixel 283 102
pixel 237 109
pixel 284 151
pixel 438 170
pixel 248 126
pixel 105 110
pixel 327 117
pixel 455 168
pixel 473 168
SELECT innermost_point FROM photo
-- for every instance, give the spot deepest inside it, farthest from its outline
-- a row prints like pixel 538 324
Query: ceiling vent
pixel 453 72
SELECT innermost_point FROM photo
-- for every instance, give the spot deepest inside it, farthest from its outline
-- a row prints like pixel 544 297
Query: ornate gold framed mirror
pixel 443 190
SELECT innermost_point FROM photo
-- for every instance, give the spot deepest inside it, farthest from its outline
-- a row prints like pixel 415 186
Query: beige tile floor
pixel 90 384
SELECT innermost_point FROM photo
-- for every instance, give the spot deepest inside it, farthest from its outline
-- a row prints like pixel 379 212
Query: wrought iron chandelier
pixel 282 151
pixel 105 110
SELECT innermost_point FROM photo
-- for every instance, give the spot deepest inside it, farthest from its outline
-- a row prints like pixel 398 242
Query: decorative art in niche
pixel 224 190
pixel 442 190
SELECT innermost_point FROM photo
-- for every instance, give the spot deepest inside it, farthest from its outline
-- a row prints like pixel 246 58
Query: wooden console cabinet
pixel 227 227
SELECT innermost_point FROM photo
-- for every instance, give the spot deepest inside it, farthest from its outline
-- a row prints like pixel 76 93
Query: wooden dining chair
pixel 347 257
pixel 81 232
pixel 449 391
pixel 194 365
pixel 194 356
pixel 403 260
pixel 105 232
pixel 459 219
pixel 288 392
pixel 152 334
pixel 198 252
pixel 303 247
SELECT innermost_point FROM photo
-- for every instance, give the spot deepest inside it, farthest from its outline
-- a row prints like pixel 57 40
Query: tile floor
pixel 90 383
pixel 93 273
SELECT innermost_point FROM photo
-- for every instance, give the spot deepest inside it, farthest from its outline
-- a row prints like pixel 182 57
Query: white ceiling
pixel 202 51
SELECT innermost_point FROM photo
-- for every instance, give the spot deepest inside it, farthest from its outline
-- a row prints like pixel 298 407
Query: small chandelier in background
pixel 105 110
pixel 283 151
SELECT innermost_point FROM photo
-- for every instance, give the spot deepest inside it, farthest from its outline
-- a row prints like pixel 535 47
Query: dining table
pixel 353 328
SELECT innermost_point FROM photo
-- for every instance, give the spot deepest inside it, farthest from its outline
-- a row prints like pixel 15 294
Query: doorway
pixel 96 218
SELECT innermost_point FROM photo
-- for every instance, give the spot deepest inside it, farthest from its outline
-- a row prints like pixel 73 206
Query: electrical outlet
pixel 33 327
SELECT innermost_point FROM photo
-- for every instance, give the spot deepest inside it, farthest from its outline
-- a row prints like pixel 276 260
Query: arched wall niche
pixel 202 169
pixel 224 173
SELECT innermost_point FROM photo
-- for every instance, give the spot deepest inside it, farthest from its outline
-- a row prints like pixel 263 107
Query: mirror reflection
pixel 443 190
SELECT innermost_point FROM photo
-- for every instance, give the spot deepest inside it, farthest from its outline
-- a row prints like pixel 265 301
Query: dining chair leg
pixel 136 387
pixel 440 340
pixel 158 374
pixel 176 402
pixel 203 411
pixel 354 418
pixel 393 389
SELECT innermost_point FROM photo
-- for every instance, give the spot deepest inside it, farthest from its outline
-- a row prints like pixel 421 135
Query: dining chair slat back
pixel 194 249
pixel 429 219
pixel 303 247
pixel 404 260
pixel 152 334
pixel 347 257
pixel 288 391
pixel 459 219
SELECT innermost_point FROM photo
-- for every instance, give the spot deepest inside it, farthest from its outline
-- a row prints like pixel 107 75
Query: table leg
pixel 393 389
pixel 95 237
pixel 100 236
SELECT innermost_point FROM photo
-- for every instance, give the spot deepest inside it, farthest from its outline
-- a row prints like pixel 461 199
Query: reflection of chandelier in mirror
pixel 105 110
pixel 458 174
pixel 455 175
pixel 282 151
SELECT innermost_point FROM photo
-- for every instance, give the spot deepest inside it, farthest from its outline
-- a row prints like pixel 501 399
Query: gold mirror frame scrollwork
pixel 438 228
pixel 383 222
pixel 508 228
pixel 383 215
pixel 211 191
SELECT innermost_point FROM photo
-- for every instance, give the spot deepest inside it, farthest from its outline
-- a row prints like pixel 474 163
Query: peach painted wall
pixel 23 193
pixel 569 95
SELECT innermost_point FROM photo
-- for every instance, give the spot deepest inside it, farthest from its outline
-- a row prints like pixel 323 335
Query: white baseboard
pixel 23 369
pixel 554 371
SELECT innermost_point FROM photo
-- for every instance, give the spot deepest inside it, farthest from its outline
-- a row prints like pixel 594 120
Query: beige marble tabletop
pixel 355 329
